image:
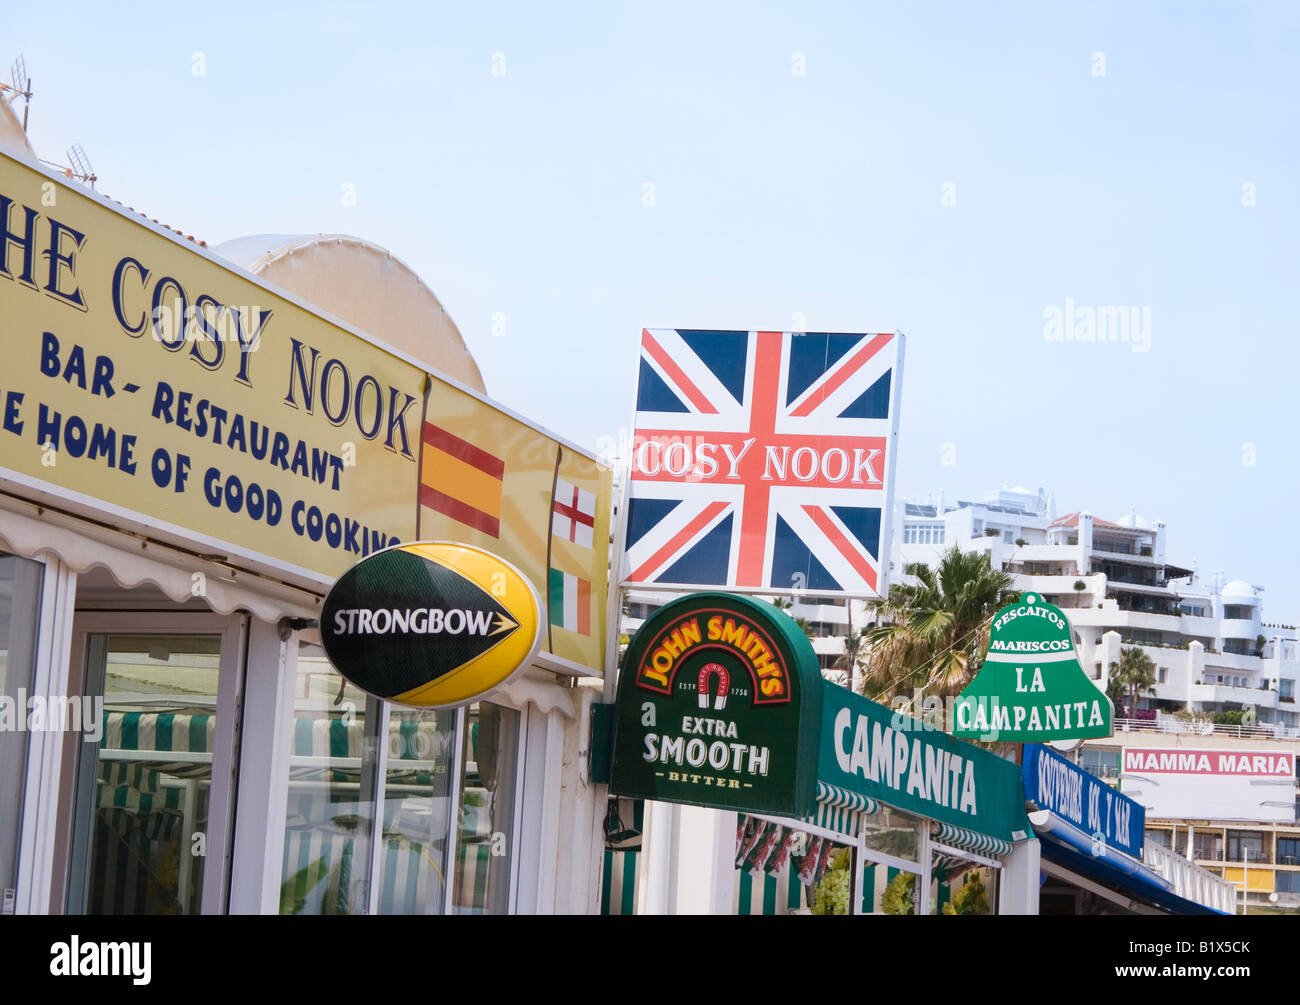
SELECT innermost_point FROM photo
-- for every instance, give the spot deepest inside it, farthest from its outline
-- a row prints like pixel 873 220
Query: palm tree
pixel 850 661
pixel 1136 673
pixel 785 604
pixel 933 633
pixel 1115 688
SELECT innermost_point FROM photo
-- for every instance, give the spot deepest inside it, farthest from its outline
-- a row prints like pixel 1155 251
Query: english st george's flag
pixel 762 460
pixel 573 513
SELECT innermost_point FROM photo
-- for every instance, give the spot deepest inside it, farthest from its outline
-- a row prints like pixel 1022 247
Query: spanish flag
pixel 460 480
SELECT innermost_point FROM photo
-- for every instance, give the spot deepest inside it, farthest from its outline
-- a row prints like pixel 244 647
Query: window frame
pixel 233 631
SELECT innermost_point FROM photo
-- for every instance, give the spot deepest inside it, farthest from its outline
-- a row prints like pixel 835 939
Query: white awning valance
pixel 27 530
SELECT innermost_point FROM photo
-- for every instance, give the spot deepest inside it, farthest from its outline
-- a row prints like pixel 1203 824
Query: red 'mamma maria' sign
pixel 1254 763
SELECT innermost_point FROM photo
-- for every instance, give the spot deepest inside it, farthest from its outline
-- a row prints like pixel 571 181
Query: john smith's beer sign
pixel 719 706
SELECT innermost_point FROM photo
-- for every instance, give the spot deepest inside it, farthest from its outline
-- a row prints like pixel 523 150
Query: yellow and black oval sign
pixel 431 624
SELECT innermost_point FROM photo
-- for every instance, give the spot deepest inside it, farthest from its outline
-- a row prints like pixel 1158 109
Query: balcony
pixel 1165 723
pixel 1255 858
pixel 1060 586
pixel 1133 549
pixel 1204 627
pixel 830 645
pixel 1042 552
pixel 1114 618
pixel 1122 573
pixel 1233 661
pixel 819 613
pixel 1227 694
pixel 1237 628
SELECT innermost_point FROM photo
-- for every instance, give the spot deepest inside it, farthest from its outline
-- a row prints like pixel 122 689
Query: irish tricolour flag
pixel 570 602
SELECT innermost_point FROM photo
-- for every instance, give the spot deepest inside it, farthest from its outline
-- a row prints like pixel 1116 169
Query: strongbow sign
pixel 719 705
pixel 431 624
pixel 1031 686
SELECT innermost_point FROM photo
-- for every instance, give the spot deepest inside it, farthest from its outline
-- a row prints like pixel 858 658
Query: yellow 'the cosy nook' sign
pixel 168 393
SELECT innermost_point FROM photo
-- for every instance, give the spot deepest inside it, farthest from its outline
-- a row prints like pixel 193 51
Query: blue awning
pixel 1142 884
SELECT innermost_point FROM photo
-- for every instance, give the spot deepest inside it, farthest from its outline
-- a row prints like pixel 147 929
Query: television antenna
pixel 80 165
pixel 20 87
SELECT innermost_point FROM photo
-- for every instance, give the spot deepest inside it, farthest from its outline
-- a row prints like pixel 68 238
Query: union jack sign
pixel 763 461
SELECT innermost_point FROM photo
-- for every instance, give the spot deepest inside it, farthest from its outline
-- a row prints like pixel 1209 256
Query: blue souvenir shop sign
pixel 1105 814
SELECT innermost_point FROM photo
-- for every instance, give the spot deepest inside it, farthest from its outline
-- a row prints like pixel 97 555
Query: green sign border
pixel 803 711
pixel 1042 686
pixel 905 763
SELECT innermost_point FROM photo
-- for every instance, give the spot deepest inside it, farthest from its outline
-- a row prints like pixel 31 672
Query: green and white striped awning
pixel 840 810
pixel 833 795
pixel 968 840
pixel 160 731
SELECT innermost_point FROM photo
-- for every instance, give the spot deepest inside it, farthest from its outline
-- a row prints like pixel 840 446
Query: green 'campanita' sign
pixel 1031 686
pixel 719 704
pixel 905 763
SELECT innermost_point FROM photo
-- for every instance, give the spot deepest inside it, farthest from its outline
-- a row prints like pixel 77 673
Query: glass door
pixel 20 610
pixel 153 794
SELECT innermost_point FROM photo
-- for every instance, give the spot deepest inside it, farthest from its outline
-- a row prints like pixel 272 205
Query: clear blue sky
pixel 778 194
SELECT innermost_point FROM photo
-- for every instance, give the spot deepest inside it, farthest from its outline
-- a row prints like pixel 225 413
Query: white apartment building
pixel 1211 646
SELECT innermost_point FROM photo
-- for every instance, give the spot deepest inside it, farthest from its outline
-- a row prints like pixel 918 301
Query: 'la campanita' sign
pixel 1031 686
pixel 719 704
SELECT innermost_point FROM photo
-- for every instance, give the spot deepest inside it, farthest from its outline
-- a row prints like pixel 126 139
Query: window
pixel 147 787
pixel 1245 844
pixel 446 830
pixel 1288 882
pixel 1159 835
pixel 892 844
pixel 1286 689
pixel 1100 762
pixel 781 871
pixel 20 607
pixel 1207 846
pixel 487 809
pixel 417 811
pixel 330 811
pixel 1288 851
